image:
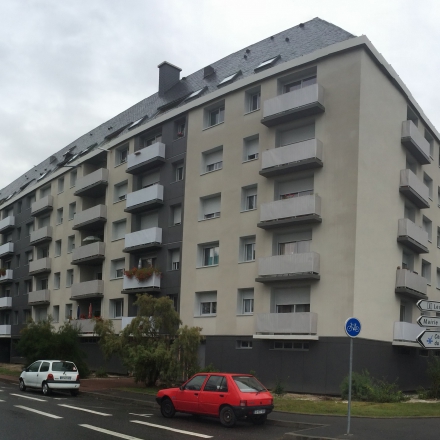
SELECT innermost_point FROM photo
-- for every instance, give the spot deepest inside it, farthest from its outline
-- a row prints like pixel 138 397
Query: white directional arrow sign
pixel 428 321
pixel 430 306
pixel 429 339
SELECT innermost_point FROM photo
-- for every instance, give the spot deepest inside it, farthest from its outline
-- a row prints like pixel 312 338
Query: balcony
pixel 146 198
pixel 93 184
pixel 93 253
pixel 411 284
pixel 92 218
pixel 132 285
pixel 84 325
pixel 7 277
pixel 5 302
pixel 87 289
pixel 412 236
pixel 293 105
pixel 287 212
pixel 287 325
pixel 7 223
pixel 5 330
pixel 41 235
pixel 405 332
pixel 146 159
pixel 414 189
pixel 294 157
pixel 303 266
pixel 43 265
pixel 415 143
pixel 42 206
pixel 150 238
pixel 6 249
pixel 39 297
pixel 126 320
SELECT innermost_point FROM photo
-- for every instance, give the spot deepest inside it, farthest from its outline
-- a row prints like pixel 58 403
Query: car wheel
pixel 259 420
pixel 46 389
pixel 227 417
pixel 74 393
pixel 167 408
pixel 22 385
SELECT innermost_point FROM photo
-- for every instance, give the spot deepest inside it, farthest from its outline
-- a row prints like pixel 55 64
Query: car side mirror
pixel 181 388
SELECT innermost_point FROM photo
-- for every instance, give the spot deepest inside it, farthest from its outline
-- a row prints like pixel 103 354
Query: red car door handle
pixel 222 395
pixel 196 394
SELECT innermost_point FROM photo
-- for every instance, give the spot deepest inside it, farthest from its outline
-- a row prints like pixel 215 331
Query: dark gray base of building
pixel 5 350
pixel 321 368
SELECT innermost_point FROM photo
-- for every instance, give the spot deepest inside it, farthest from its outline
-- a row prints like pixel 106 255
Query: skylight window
pixel 229 78
pixel 10 195
pixel 267 63
pixel 88 149
pixel 195 94
pixel 137 122
pixel 43 175
pixel 73 157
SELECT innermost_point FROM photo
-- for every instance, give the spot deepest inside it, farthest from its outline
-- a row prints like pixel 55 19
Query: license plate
pixel 259 411
pixel 65 378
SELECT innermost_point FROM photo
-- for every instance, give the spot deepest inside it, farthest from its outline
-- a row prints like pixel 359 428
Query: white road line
pixel 1 400
pixel 38 412
pixel 141 415
pixel 27 397
pixel 83 409
pixel 194 434
pixel 113 433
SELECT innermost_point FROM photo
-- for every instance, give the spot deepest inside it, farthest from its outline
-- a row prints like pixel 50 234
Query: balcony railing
pixel 126 320
pixel 43 265
pixel 415 143
pixel 6 249
pixel 297 210
pixel 7 223
pixel 87 289
pixel 132 285
pixel 294 157
pixel 412 236
pixel 414 189
pixel 305 323
pixel 406 332
pixel 146 159
pixel 42 206
pixel 84 325
pixel 144 239
pixel 39 297
pixel 5 302
pixel 92 218
pixel 93 253
pixel 411 284
pixel 5 330
pixel 93 184
pixel 7 277
pixel 293 105
pixel 41 235
pixel 288 267
pixel 146 198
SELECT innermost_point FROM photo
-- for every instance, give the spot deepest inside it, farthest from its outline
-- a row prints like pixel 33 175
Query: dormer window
pixel 229 78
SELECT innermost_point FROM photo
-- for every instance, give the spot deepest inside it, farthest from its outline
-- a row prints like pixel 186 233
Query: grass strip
pixel 8 372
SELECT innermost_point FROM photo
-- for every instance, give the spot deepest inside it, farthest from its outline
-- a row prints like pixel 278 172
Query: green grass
pixel 8 372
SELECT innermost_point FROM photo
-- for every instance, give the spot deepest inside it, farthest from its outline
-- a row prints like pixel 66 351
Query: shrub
pixel 100 372
pixel 433 373
pixel 278 388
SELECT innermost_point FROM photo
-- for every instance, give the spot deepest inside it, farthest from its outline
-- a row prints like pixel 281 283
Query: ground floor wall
pixel 322 367
pixel 5 350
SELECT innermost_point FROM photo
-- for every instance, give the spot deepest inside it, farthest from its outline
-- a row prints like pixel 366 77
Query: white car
pixel 51 375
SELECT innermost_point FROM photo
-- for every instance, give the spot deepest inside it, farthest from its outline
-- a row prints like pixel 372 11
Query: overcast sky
pixel 66 67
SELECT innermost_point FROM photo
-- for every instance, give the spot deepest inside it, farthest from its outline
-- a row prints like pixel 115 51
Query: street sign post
pixel 428 306
pixel 352 328
pixel 428 321
pixel 429 339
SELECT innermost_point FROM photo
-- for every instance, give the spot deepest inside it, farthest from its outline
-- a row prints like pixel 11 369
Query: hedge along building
pixel 277 190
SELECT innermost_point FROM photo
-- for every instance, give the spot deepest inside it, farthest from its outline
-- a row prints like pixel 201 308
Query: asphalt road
pixel 30 415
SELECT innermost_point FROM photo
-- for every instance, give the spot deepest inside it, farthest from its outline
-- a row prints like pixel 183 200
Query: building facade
pixel 279 191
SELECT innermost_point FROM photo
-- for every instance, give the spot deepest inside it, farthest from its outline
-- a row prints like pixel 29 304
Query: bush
pixel 278 388
pixel 100 372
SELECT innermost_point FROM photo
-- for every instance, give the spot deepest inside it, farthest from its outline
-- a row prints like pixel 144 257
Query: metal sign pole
pixel 349 385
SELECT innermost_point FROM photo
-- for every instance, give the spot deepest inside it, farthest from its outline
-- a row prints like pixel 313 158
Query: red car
pixel 224 395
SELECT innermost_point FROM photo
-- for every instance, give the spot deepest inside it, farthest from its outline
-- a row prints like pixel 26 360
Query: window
pixel 116 308
pixel 179 128
pixel 174 259
pixel 59 216
pixel 295 188
pixel 119 229
pixel 412 116
pixel 17 260
pixel 15 322
pixel 299 84
pixel 438 278
pixel 175 300
pixel 206 304
pixel 212 160
pixel 294 247
pixel 44 221
pixel 427 226
pixel 229 79
pixel 17 289
pixel 409 213
pixel 430 139
pixel 176 215
pixel 150 179
pixel 57 248
pixel 151 139
pixel 29 229
pixel 210 207
pixel 18 233
pixel 284 345
pixel 247 249
pixel 268 63
pixel 73 177
pixel 428 182
pixel 244 344
pixel 251 145
pixel 57 280
pixel 19 206
pixel 69 277
pixel 249 198
pixel 407 260
pixel 44 191
pixel 426 271
pixel 27 316
pixel 60 185
pixel 7 238
pixel 214 115
pixel 28 286
pixel 29 255
pixel 70 244
pixel 121 154
pixel 195 94
pixel 56 313
pixel 295 135
pixel 117 268
pixel 216 383
pixel 178 171
pixel 120 191
pixel 245 302
pixel 68 311
pixel 252 99
pixel 208 255
pixel 72 210
pixel 42 283
pixel 290 300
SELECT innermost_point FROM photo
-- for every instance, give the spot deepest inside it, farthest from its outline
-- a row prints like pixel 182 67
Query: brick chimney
pixel 169 75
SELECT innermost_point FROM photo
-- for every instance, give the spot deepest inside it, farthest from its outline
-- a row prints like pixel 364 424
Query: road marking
pixel 38 412
pixel 83 409
pixel 141 415
pixel 113 433
pixel 194 434
pixel 1 400
pixel 27 397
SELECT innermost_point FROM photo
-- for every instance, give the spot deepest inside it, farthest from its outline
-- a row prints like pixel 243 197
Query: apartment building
pixel 279 191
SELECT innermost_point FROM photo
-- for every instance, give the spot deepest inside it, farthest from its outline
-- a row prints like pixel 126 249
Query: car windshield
pixel 63 366
pixel 248 384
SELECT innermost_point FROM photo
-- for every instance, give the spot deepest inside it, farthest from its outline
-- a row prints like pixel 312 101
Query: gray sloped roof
pixel 289 44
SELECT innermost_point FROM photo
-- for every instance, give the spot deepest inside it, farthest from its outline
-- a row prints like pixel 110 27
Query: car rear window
pixel 63 366
pixel 248 384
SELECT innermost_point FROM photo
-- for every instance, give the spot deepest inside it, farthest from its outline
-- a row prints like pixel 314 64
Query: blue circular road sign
pixel 352 327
